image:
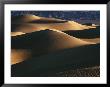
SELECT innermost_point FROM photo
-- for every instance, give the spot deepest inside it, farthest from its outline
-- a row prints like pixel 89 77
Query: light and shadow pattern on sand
pixel 46 46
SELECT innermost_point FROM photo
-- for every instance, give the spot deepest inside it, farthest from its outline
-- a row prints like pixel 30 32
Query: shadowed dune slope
pixel 42 42
pixel 87 33
pixel 74 58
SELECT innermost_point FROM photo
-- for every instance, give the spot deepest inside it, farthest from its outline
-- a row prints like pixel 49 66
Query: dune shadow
pixel 87 33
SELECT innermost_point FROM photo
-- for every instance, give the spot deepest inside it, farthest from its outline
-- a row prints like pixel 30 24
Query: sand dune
pixel 33 23
pixel 54 38
pixel 27 28
pixel 44 46
pixel 43 42
pixel 74 58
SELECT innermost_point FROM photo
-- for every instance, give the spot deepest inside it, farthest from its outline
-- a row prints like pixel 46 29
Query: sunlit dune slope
pixel 27 28
pixel 73 58
pixel 43 42
pixel 16 33
pixel 32 23
pixel 19 55
pixel 94 40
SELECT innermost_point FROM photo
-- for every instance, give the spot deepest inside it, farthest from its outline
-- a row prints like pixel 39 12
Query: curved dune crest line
pixel 42 42
pixel 52 38
pixel 78 26
pixel 19 55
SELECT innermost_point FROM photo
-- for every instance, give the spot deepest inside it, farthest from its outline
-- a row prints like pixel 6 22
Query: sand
pixel 45 46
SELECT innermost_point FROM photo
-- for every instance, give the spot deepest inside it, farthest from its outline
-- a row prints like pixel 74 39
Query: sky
pixel 66 15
